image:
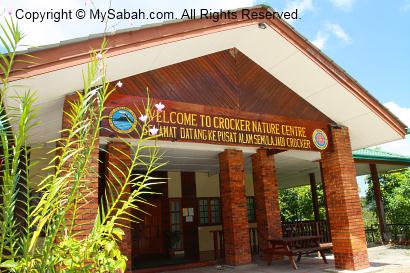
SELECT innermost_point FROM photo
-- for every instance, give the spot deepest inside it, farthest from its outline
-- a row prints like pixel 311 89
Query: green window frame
pixel 209 210
pixel 175 210
pixel 250 202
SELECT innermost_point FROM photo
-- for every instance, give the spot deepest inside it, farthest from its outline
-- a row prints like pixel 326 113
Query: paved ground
pixel 390 258
pixel 387 259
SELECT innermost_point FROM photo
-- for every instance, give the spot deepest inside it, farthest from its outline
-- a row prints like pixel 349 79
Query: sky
pixel 370 39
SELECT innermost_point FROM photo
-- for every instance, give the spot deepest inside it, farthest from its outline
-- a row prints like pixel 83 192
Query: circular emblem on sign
pixel 320 139
pixel 122 119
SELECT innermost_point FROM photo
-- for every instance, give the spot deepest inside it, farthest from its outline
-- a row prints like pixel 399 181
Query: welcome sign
pixel 204 124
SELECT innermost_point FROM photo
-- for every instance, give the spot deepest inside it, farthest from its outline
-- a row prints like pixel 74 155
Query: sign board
pixel 205 124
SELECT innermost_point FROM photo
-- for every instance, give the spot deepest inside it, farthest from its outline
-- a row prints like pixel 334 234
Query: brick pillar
pixel 117 156
pixel 88 206
pixel 345 214
pixel 234 208
pixel 265 186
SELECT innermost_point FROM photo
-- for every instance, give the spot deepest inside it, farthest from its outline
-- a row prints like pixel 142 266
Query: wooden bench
pixel 296 246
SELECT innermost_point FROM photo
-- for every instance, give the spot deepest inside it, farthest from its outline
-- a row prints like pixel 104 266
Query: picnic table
pixel 296 246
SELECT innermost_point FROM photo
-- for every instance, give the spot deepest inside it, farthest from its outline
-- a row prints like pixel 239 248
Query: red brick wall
pixel 345 215
pixel 118 158
pixel 265 186
pixel 88 207
pixel 234 208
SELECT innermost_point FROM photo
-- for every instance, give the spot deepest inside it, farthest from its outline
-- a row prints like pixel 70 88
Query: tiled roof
pixel 377 154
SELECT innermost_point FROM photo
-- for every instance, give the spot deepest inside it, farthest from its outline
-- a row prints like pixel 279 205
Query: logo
pixel 122 119
pixel 320 139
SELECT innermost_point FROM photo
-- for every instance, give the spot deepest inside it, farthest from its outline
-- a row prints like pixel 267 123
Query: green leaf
pixel 118 232
pixel 8 264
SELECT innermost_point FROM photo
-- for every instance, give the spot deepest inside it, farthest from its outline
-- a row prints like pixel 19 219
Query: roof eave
pixel 202 26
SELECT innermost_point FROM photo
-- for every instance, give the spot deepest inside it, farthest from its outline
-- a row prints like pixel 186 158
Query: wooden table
pixel 295 246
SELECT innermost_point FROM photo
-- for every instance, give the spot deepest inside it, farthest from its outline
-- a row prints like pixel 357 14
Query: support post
pixel 342 195
pixel 325 199
pixel 234 208
pixel 315 202
pixel 379 201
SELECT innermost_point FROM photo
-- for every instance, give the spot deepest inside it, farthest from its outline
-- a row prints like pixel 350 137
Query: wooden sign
pixel 179 121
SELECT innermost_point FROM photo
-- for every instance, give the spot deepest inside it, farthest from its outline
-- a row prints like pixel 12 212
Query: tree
pixel 296 203
pixel 395 188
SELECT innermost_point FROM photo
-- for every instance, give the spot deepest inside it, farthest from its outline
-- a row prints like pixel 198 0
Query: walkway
pixel 387 259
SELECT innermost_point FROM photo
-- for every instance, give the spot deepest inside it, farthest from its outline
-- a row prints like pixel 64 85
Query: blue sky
pixel 378 51
pixel 370 39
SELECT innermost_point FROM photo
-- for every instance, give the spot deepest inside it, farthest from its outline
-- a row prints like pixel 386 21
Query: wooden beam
pixel 378 200
pixel 324 196
pixel 313 189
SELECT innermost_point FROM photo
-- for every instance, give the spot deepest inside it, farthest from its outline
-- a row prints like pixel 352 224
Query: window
pixel 250 200
pixel 209 211
pixel 176 222
pixel 215 211
pixel 203 212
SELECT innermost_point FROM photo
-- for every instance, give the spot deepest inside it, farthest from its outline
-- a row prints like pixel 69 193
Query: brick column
pixel 117 156
pixel 234 208
pixel 88 206
pixel 342 196
pixel 265 186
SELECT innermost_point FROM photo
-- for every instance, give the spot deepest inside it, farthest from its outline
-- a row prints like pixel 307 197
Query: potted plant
pixel 172 240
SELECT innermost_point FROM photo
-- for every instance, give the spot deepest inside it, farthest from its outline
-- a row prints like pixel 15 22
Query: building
pixel 251 107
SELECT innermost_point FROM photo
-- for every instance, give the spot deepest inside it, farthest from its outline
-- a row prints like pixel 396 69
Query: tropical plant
pixel 38 235
pixel 296 203
pixel 395 189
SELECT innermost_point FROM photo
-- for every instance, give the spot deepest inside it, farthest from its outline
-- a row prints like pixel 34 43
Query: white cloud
pixel 322 36
pixel 338 32
pixel 343 4
pixel 301 5
pixel 406 5
pixel 400 146
pixel 320 40
pixel 40 33
pixel 402 113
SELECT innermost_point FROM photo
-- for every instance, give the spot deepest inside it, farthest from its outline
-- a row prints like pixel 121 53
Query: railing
pixel 218 238
pixel 300 228
pixel 307 228
pixel 397 232
pixel 372 234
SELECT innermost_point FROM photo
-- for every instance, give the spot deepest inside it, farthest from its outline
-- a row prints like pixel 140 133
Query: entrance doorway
pixel 148 235
pixel 149 232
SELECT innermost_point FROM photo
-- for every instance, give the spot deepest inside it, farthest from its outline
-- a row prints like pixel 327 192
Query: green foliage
pixel 41 238
pixel 395 188
pixel 296 203
pixel 369 216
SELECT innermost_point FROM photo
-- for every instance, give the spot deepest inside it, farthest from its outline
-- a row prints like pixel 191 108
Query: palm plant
pixel 66 189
